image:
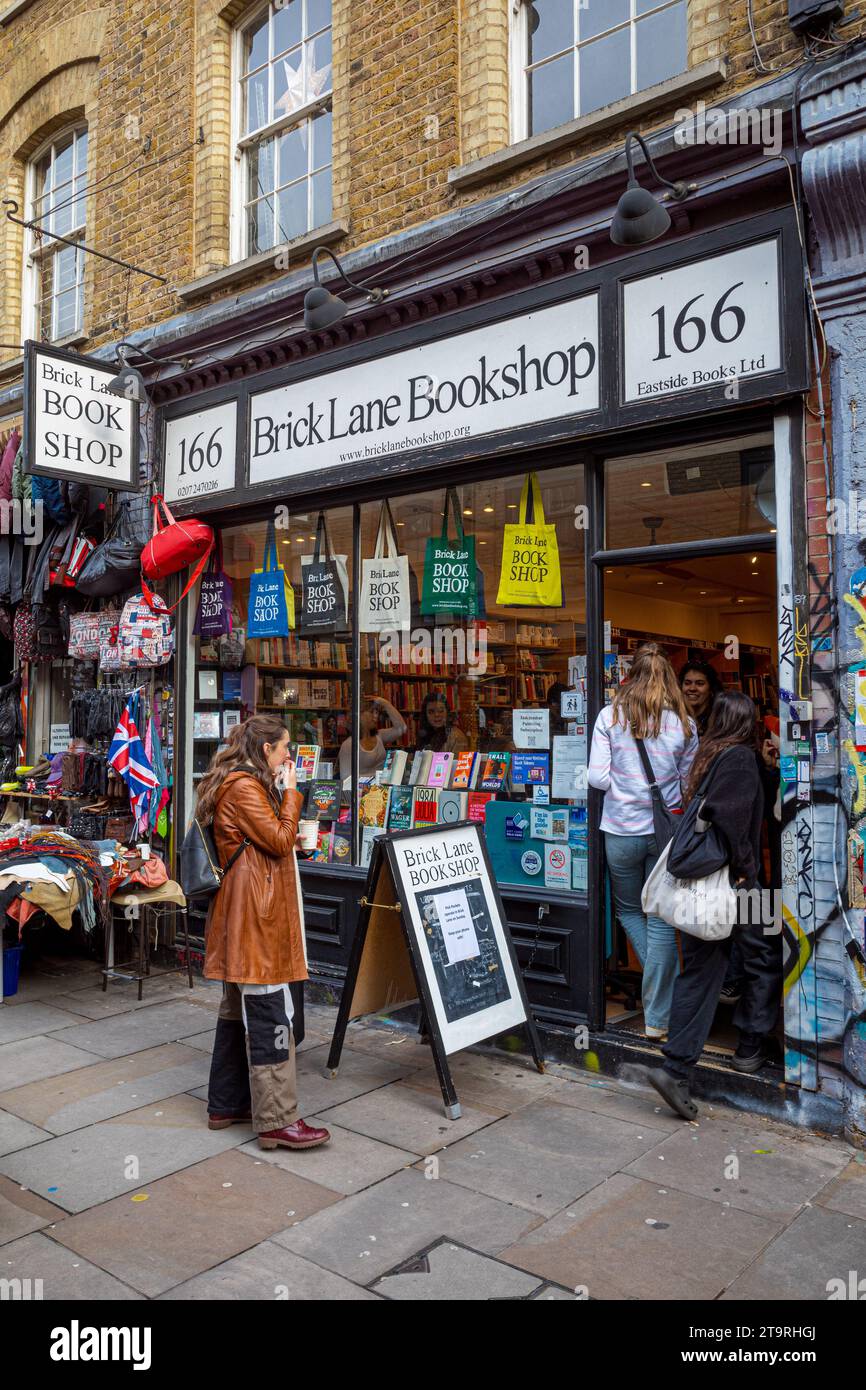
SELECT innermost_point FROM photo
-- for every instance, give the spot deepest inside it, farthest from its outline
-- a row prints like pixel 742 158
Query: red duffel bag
pixel 174 545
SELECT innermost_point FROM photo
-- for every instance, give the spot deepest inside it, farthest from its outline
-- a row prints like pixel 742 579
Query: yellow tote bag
pixel 530 575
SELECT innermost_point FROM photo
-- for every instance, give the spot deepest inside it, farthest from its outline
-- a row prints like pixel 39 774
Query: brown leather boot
pixel 297 1136
pixel 218 1120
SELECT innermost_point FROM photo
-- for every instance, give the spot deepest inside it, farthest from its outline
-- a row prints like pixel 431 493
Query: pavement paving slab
pixel 452 1273
pixel 366 1235
pixel 30 1020
pixel 89 1166
pixel 414 1118
pixel 626 1239
pixel 357 1075
pixel 545 1155
pixel 104 1089
pixel 487 1081
pixel 847 1191
pixel 16 1133
pixel 223 1205
pixel 140 1028
pixel 64 1274
pixel 269 1272
pixel 818 1247
pixel 349 1163
pixel 750 1168
pixel 21 1212
pixel 32 1059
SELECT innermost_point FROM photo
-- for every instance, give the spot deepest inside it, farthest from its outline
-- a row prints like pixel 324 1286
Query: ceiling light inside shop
pixel 467 511
pixel 488 509
pixel 646 484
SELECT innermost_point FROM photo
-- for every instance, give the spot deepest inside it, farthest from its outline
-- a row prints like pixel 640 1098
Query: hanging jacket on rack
pixel 7 463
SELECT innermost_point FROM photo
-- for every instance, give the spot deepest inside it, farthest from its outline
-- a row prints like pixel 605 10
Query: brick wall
pixel 420 86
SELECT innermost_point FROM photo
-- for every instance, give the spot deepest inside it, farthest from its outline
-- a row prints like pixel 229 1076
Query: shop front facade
pixel 658 405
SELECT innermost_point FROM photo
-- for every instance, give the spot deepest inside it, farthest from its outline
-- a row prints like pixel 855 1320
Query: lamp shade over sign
pixel 76 426
pixel 321 308
pixel 639 217
pixel 129 383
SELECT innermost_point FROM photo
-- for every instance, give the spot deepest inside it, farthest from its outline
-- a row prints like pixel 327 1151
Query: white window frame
pixel 238 246
pixel 519 53
pixel 35 255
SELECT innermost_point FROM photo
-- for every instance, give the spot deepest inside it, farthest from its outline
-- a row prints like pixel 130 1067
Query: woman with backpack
pixel 646 720
pixel 255 934
pixel 726 778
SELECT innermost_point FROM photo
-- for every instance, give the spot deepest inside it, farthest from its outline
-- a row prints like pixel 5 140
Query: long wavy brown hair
pixel 244 747
pixel 733 723
pixel 651 688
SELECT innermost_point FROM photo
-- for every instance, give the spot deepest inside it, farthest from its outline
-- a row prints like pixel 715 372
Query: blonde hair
pixel 651 688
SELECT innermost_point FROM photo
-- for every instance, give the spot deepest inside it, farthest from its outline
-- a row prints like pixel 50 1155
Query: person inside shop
pixel 726 770
pixel 700 685
pixel 433 728
pixel 374 741
pixel 647 706
pixel 255 934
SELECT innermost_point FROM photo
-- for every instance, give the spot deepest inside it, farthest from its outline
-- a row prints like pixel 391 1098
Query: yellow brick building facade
pixel 421 109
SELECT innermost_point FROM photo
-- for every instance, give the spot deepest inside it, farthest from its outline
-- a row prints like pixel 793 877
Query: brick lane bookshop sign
pixel 540 366
pixel 74 427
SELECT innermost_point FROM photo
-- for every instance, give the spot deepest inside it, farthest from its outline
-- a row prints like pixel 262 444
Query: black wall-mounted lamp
pixel 321 308
pixel 640 217
pixel 129 381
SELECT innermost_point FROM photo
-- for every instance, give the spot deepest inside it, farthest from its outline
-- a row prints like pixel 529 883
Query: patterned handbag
pixel 84 632
pixel 24 631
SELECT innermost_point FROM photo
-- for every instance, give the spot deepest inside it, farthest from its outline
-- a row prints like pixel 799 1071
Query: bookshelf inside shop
pixel 750 671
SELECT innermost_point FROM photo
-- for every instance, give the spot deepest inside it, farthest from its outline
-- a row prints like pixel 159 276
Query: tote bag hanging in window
pixel 449 569
pixel 214 616
pixel 324 585
pixel 271 610
pixel 386 598
pixel 530 574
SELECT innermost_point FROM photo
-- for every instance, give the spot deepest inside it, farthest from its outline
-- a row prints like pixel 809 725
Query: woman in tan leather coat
pixel 255 934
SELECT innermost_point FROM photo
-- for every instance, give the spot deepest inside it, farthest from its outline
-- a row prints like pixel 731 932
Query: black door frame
pixel 597 559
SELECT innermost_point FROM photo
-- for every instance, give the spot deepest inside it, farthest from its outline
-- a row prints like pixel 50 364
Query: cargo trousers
pixel 253 1062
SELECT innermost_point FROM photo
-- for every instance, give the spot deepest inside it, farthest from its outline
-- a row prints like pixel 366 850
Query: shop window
pixel 689 494
pixel 461 712
pixel 472 701
pixel 284 138
pixel 305 679
pixel 574 56
pixel 57 196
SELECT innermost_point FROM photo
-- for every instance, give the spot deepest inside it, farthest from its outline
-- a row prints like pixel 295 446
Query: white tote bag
pixel 701 907
pixel 386 601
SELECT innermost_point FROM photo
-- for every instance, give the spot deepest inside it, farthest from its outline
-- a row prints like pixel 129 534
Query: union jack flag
pixel 127 756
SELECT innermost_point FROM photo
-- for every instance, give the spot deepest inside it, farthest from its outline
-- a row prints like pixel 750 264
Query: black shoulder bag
pixel 664 822
pixel 697 847
pixel 200 872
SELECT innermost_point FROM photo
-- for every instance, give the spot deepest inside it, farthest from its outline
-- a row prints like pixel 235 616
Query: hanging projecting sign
pixel 540 366
pixel 74 427
pixel 199 453
pixel 709 323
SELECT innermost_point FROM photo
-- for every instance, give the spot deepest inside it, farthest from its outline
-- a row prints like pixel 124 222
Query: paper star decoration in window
pixel 303 83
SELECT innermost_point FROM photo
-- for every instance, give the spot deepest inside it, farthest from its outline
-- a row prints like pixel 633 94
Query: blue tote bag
pixel 271 611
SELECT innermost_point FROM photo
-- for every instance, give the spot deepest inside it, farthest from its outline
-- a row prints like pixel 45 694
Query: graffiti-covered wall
pixel 833 642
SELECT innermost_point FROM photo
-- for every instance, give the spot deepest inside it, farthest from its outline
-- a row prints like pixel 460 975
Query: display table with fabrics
pixel 50 871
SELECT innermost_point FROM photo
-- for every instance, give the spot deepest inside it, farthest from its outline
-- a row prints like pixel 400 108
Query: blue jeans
pixel 629 860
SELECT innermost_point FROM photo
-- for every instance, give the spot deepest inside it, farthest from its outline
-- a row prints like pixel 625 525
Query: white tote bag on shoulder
pixel 701 907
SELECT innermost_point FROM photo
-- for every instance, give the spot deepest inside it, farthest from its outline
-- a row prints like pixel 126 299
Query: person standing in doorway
pixel 649 706
pixel 732 800
pixel 700 685
pixel 255 934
